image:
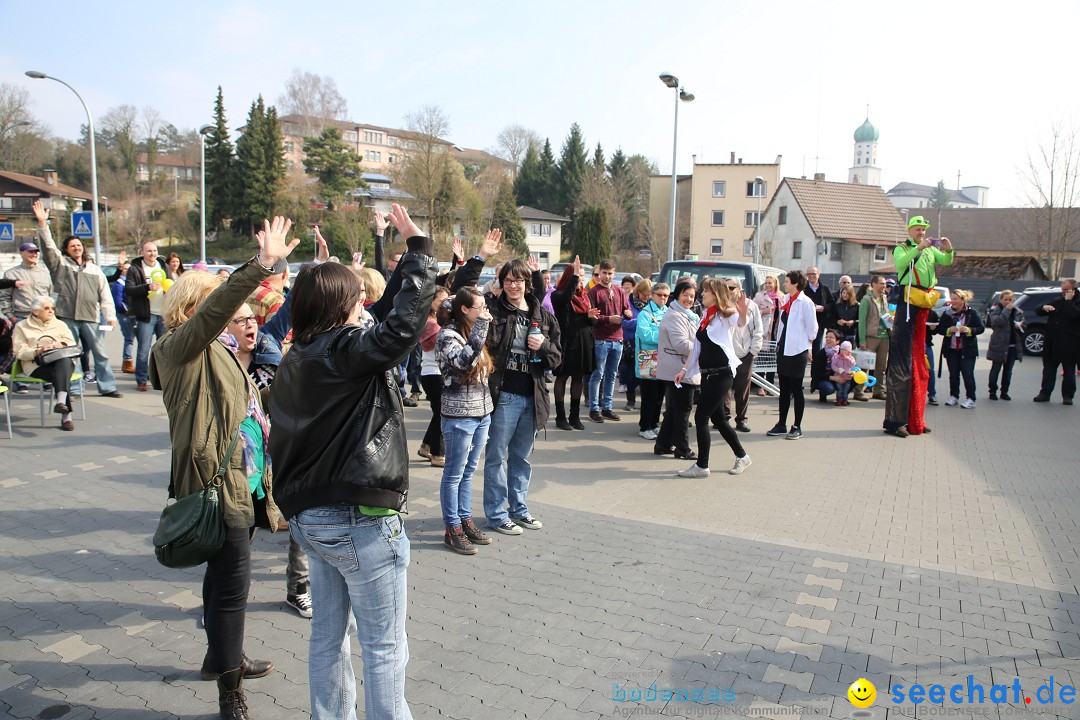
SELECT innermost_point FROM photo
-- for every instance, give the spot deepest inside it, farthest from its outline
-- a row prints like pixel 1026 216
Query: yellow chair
pixel 7 409
pixel 17 376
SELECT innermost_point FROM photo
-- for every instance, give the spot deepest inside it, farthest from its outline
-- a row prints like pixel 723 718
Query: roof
pixel 867 132
pixel 40 185
pixel 998 229
pixel 906 189
pixel 475 156
pixel 531 213
pixel 375 177
pixel 162 160
pixel 860 213
pixel 1007 267
pixel 345 125
pixel 379 193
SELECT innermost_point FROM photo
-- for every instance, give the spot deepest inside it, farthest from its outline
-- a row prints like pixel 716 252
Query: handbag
pixel 646 360
pixel 918 295
pixel 192 529
pixel 47 356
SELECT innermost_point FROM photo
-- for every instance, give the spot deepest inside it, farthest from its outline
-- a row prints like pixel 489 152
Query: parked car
pixel 1035 325
pixel 557 270
pixel 751 276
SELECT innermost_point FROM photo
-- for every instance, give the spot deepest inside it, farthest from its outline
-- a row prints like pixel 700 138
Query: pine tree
pixel 220 170
pixel 506 218
pixel 442 218
pixel 598 159
pixel 528 180
pixel 275 149
pixel 572 165
pixel 591 240
pixel 546 192
pixel 334 163
pixel 260 163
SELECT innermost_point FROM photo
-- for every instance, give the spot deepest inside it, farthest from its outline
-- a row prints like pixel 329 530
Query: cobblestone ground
pixel 846 555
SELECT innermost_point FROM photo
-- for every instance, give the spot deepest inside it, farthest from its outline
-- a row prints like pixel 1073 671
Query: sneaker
pixel 742 427
pixel 476 535
pixel 629 407
pixel 777 430
pixel 528 521
pixel 300 602
pixel 648 434
pixel 610 415
pixel 622 388
pixel 507 528
pixel 409 402
pixel 455 539
pixel 22 390
pixel 595 416
pixel 90 379
pixel 693 472
pixel 932 401
pixel 740 465
pixel 951 402
pixel 795 434
pixel 968 404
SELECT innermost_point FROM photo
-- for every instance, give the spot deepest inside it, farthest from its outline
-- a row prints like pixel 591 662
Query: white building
pixel 912 196
pixel 543 234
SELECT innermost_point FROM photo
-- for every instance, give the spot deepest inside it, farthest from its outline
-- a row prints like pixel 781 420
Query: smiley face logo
pixel 862 693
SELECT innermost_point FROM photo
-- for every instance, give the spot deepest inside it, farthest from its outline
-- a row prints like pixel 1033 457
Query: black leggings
pixel 652 397
pixel 714 388
pixel 225 593
pixel 791 387
pixel 576 386
pixel 433 389
pixel 58 372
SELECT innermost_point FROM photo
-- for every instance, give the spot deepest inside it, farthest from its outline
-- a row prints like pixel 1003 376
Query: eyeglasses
pixel 49 309
pixel 244 319
pixel 732 287
pixel 513 281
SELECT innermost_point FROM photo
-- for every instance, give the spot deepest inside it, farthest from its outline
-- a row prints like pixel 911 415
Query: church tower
pixel 864 169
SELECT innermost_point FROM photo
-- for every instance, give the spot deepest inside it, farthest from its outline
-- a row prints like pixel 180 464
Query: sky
pixel 968 87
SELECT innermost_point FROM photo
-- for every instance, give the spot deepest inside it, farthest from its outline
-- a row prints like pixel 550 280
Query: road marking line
pixel 121 459
pixel 801 680
pixel 824 582
pixel 822 563
pixel 823 603
pixel 50 474
pixel 810 650
pixel 797 620
pixel 12 482
pixel 71 648
pixel 151 453
pixel 184 599
pixel 88 466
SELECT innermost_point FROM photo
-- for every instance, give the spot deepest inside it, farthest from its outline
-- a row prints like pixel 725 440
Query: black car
pixel 1028 301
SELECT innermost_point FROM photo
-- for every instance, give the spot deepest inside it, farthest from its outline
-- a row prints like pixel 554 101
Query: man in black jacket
pixel 145 299
pixel 824 304
pixel 1062 345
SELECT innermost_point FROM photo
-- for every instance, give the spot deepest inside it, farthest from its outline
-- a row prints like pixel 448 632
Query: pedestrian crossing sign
pixel 7 232
pixel 82 224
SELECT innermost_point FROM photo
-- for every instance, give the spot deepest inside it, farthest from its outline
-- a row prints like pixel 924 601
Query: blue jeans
pixel 608 354
pixel 931 384
pixel 357 583
pixel 127 328
pixel 826 388
pixel 90 338
pixel 507 471
pixel 842 390
pixel 463 440
pixel 146 332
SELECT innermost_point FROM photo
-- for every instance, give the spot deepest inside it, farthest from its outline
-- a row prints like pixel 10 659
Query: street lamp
pixel 203 132
pixel 12 126
pixel 759 184
pixel 673 82
pixel 106 199
pixel 93 159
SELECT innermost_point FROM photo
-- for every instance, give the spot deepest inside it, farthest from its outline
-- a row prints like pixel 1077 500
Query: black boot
pixel 575 418
pixel 231 702
pixel 252 668
pixel 560 417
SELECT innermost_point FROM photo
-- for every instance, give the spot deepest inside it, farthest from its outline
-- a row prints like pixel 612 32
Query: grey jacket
pixel 15 302
pixel 748 338
pixel 82 291
pixel 462 397
pixel 1003 333
pixel 677 331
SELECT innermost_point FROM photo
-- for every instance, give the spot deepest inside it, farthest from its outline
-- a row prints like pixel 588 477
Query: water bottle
pixel 534 331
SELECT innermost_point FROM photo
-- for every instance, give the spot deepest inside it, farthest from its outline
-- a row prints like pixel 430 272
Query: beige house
pixel 724 203
pixel 543 234
pixel 381 149
pixel 168 166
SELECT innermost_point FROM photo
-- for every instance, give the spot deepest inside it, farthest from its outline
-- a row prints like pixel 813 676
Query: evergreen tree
pixel 220 170
pixel 258 169
pixel 591 240
pixel 572 165
pixel 618 166
pixel 442 219
pixel 939 198
pixel 275 149
pixel 598 159
pixel 546 193
pixel 506 218
pixel 334 163
pixel 528 181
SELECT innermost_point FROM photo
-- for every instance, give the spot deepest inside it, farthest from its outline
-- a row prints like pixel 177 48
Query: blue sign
pixel 7 232
pixel 82 224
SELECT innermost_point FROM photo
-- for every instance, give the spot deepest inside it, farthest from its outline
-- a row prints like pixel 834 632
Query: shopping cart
pixel 765 362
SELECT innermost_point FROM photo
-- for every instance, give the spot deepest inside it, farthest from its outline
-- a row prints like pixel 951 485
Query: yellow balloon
pixel 860 377
pixel 158 275
pixel 166 284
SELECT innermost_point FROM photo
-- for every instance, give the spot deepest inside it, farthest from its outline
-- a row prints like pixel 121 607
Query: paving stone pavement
pixel 846 555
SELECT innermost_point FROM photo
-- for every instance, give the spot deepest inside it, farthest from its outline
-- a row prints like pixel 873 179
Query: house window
pixel 349 136
pixel 751 218
pixel 289 146
pixel 796 250
pixel 392 158
pixel 535 230
pixel 545 229
pixel 748 248
pixel 717 218
pixel 372 137
pixel 719 188
pixel 755 189
pixel 716 247
pixel 372 156
pixel 880 255
pixel 837 251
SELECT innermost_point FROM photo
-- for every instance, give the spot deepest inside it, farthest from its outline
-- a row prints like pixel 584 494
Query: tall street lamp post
pixel 759 185
pixel 93 159
pixel 22 123
pixel 680 94
pixel 203 131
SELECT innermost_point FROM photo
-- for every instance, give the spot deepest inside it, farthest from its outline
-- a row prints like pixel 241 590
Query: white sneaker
pixel 694 472
pixel 951 401
pixel 740 465
pixel 968 404
pixel 648 434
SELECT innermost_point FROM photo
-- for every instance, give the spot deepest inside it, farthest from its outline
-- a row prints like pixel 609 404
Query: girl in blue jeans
pixel 466 411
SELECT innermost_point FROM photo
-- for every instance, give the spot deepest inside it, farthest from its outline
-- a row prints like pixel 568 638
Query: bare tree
pixel 597 190
pixel 513 141
pixel 151 120
pixel 314 98
pixel 426 154
pixel 1053 178
pixel 118 132
pixel 23 140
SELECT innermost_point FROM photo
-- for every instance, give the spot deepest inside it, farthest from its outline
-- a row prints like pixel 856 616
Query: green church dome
pixel 867 132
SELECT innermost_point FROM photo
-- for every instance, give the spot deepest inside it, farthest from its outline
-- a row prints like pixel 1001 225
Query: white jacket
pixel 719 330
pixel 801 324
pixel 747 339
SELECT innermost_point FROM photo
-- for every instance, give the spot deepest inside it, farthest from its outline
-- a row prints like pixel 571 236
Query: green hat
pixel 917 221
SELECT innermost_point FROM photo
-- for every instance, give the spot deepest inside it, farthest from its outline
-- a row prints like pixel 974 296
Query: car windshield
pixel 671 275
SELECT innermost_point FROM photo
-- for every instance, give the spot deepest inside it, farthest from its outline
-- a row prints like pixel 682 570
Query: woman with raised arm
pixel 216 418
pixel 342 467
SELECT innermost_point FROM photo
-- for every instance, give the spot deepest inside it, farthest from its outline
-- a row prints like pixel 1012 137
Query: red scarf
pixel 786 307
pixel 709 314
pixel 579 301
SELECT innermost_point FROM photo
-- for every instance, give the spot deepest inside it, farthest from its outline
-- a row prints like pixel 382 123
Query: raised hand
pixel 273 245
pixel 533 263
pixel 946 244
pixel 743 304
pixel 40 213
pixel 492 243
pixel 458 249
pixel 399 218
pixel 380 222
pixel 577 267
pixel 322 252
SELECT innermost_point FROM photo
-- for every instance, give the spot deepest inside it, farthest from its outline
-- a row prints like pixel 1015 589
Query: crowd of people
pixel 317 377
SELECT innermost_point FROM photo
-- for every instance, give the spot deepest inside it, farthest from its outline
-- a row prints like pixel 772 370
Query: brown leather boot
pixel 128 367
pixel 232 705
